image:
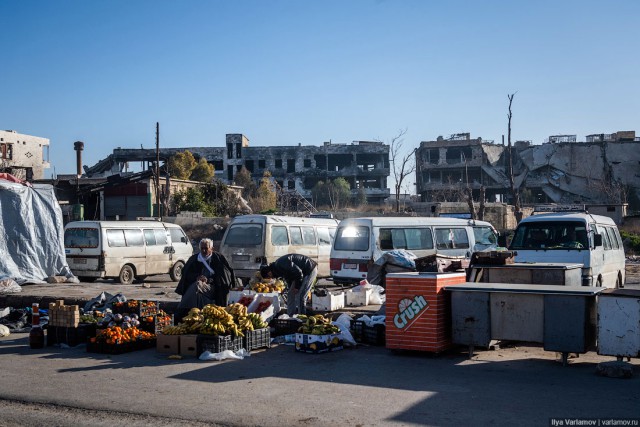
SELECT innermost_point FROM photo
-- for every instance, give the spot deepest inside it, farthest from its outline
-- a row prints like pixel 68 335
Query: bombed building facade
pixel 23 156
pixel 364 164
pixel 605 168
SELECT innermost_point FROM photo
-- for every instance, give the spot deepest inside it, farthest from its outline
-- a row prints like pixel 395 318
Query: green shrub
pixel 631 242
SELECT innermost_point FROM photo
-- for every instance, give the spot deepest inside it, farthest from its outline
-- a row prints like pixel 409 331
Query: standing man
pixel 299 272
pixel 206 279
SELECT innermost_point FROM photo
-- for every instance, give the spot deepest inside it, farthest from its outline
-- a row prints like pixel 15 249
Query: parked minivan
pixel 125 250
pixel 573 237
pixel 361 241
pixel 253 240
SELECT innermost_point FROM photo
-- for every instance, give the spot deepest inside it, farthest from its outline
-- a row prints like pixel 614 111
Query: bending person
pixel 299 272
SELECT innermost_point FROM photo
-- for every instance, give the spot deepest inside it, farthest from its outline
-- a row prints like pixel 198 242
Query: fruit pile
pixel 267 287
pixel 110 320
pixel 262 306
pixel 216 320
pixel 245 300
pixel 317 325
pixel 116 335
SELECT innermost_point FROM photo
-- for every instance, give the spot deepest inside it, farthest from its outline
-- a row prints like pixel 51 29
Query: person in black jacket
pixel 299 272
pixel 206 279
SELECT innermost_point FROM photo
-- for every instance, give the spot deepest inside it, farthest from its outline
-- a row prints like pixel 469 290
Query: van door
pixel 158 261
pixel 452 241
pixel 611 256
pixel 303 241
pixel 324 251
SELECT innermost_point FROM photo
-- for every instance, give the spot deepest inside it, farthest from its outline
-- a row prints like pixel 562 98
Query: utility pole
pixel 158 170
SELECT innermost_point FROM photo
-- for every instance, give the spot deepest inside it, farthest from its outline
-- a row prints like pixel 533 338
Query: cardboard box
pixel 168 344
pixel 189 345
pixel 308 343
pixel 270 311
pixel 358 298
pixel 330 302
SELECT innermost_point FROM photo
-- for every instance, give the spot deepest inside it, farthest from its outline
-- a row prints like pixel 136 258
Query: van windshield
pixel 352 238
pixel 555 235
pixel 81 238
pixel 244 235
pixel 485 238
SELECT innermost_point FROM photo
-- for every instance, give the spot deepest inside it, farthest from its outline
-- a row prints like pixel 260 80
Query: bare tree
pixel 514 191
pixel 401 167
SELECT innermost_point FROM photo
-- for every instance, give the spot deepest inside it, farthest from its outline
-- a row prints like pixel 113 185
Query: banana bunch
pixel 267 287
pixel 240 317
pixel 257 321
pixel 317 325
pixel 193 321
pixel 175 330
pixel 217 321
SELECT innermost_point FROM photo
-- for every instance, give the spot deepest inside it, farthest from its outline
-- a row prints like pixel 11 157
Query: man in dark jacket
pixel 206 279
pixel 299 272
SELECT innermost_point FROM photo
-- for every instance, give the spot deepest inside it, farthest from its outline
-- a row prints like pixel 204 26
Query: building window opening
pixel 291 165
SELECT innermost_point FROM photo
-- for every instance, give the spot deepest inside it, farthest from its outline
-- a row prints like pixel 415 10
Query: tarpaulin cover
pixel 31 233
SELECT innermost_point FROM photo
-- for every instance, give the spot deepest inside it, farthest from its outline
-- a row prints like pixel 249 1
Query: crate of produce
pixel 309 343
pixel 127 347
pixel 155 324
pixel 285 326
pixel 363 333
pixel 69 335
pixel 218 343
pixel 257 338
pixel 142 308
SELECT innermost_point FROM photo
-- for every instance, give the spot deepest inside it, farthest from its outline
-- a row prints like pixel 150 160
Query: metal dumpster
pixel 562 318
pixel 546 273
pixel 619 323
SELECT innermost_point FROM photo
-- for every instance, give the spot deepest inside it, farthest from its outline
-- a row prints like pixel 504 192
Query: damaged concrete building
pixel 603 169
pixel 364 164
pixel 23 156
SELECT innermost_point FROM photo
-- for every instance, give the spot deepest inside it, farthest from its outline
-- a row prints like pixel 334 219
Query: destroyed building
pixel 23 156
pixel 364 164
pixel 602 169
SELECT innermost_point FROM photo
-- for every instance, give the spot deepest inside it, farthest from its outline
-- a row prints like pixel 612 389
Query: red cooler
pixel 418 315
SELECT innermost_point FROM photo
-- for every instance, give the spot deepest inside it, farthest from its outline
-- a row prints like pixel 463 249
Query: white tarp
pixel 31 233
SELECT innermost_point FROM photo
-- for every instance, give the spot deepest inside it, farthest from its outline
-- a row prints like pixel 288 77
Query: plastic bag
pixel 226 354
pixel 344 323
pixel 377 296
pixel 4 331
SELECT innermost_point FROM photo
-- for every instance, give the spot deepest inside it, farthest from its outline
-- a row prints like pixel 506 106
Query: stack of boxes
pixel 67 316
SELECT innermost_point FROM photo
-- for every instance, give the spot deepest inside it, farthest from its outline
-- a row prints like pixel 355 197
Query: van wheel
pixel 126 275
pixel 619 284
pixel 176 271
pixel 599 282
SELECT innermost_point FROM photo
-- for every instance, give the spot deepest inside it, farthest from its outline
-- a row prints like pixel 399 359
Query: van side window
pixel 161 237
pixel 406 238
pixel 309 235
pixel 81 238
pixel 150 237
pixel 176 235
pixel 115 238
pixel 618 238
pixel 612 237
pixel 323 236
pixel 279 236
pixel 452 238
pixel 296 235
pixel 133 237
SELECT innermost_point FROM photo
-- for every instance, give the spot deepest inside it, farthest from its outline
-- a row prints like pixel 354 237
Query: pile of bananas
pixel 218 321
pixel 267 287
pixel 317 325
pixel 175 330
pixel 257 321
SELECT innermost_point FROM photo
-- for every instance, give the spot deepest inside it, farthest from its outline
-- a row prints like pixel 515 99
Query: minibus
pixel 360 242
pixel 253 240
pixel 125 250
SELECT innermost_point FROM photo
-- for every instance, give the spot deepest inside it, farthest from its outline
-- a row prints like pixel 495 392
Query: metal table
pixel 542 273
pixel 563 318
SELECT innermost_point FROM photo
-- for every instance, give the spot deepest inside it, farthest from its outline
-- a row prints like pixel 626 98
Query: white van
pixel 253 240
pixel 361 241
pixel 125 250
pixel 573 238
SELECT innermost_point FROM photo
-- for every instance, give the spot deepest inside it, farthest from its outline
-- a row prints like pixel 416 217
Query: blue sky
pixel 289 72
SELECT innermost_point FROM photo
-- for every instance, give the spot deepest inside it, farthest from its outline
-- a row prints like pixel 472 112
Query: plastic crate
pixel 70 336
pixel 157 325
pixel 363 333
pixel 286 326
pixel 143 308
pixel 104 348
pixel 257 339
pixel 218 343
